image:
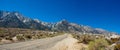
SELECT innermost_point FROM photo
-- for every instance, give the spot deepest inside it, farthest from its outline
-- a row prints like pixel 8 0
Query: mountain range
pixel 16 20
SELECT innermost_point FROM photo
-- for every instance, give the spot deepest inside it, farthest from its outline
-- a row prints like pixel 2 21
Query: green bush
pixel 98 44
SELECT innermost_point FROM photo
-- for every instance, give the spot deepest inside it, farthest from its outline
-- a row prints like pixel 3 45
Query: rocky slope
pixel 17 20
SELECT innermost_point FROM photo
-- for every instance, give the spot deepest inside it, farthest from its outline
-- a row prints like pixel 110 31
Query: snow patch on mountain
pixel 63 25
pixel 37 20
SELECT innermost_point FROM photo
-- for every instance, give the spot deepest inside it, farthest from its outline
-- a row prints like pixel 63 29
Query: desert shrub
pixel 113 40
pixel 117 47
pixel 20 37
pixel 8 38
pixel 84 38
pixel 87 38
pixel 0 39
pixel 27 36
pixel 2 31
pixel 98 44
pixel 35 37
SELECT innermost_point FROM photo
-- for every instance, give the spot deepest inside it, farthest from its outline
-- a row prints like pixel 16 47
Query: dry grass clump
pixel 98 44
pixel 84 38
pixel 113 40
pixel 117 47
pixel 20 37
pixel 94 41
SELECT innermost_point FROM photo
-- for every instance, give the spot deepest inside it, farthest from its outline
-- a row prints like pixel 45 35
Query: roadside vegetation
pixel 93 41
pixel 97 42
pixel 17 34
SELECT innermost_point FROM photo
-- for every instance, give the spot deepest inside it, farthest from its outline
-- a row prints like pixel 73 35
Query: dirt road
pixel 62 42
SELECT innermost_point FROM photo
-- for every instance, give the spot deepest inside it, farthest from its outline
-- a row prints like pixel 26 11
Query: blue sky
pixel 95 13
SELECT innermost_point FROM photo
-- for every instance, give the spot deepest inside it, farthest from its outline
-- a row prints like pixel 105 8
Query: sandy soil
pixel 68 43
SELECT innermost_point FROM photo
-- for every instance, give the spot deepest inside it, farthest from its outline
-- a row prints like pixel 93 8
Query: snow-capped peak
pixel 16 14
pixel 4 13
pixel 37 20
pixel 24 22
pixel 99 29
